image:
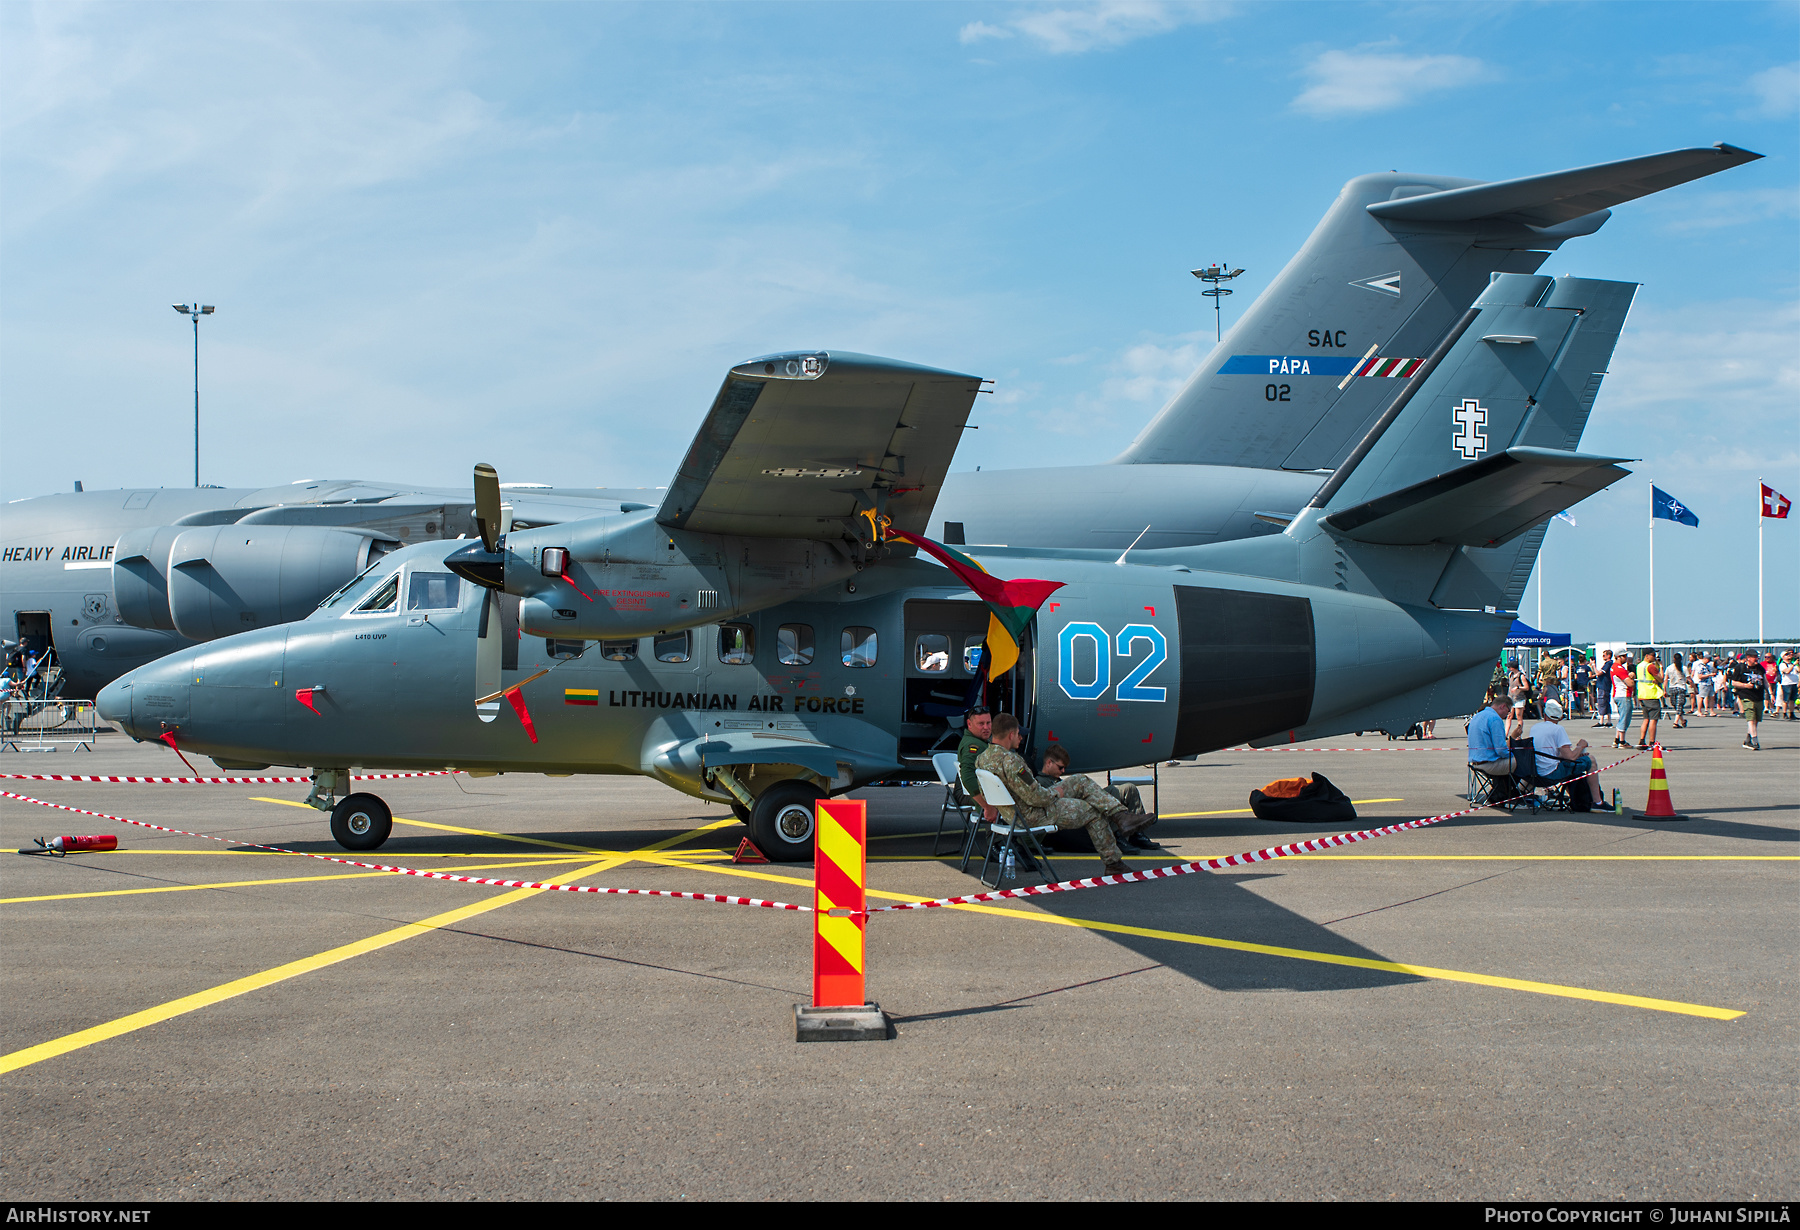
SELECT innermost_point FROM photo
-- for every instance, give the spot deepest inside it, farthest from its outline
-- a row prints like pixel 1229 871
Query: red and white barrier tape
pixel 1313 846
pixel 210 781
pixel 1267 854
pixel 429 875
pixel 1446 748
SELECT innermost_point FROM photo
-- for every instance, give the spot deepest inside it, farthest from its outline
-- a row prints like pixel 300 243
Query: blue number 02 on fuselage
pixel 1132 685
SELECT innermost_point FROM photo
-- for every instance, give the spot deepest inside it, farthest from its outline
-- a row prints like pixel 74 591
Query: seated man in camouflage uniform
pixel 1056 777
pixel 1035 806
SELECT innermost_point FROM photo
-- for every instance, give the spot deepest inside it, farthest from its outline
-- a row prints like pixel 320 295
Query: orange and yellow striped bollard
pixel 840 873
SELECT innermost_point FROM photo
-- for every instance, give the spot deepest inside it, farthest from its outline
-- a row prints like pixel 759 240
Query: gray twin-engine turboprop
pixel 755 641
pixel 113 579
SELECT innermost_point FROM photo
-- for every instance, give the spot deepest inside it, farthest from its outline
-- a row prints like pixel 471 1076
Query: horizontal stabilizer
pixel 1547 200
pixel 1483 503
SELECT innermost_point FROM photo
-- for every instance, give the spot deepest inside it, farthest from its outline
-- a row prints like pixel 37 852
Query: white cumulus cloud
pixel 1778 89
pixel 1365 80
pixel 1071 29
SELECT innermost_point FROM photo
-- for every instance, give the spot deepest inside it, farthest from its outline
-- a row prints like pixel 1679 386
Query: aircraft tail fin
pixel 1478 449
pixel 1398 257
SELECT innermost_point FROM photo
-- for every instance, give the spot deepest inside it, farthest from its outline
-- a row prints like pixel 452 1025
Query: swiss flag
pixel 1774 504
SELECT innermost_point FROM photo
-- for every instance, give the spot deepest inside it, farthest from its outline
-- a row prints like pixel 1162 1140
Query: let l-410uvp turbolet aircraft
pixel 110 580
pixel 754 641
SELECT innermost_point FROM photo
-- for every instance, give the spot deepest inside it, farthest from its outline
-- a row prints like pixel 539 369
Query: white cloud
pixel 1779 90
pixel 1705 393
pixel 1106 23
pixel 1361 81
pixel 1152 372
pixel 1710 211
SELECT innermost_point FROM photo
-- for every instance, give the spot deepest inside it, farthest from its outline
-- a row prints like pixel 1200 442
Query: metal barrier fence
pixel 46 725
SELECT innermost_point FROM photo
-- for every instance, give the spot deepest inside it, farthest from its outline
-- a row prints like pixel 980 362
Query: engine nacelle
pixel 626 576
pixel 211 581
pixel 140 576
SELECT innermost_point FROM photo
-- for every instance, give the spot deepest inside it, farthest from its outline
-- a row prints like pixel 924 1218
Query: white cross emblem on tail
pixel 1471 417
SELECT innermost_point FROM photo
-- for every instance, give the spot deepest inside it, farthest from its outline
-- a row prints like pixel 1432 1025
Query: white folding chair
pixel 1012 836
pixel 949 776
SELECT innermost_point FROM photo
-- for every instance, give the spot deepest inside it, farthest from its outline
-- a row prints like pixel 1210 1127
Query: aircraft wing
pixel 1547 200
pixel 797 445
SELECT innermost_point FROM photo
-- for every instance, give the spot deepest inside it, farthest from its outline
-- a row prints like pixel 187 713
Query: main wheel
pixel 782 823
pixel 361 822
pixel 740 811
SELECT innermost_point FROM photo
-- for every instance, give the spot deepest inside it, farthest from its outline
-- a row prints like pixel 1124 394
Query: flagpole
pixel 1653 563
pixel 1759 562
pixel 1540 581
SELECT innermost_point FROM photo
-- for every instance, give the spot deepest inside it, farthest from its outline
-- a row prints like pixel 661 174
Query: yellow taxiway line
pixel 536 861
pixel 1245 811
pixel 306 965
pixel 1298 954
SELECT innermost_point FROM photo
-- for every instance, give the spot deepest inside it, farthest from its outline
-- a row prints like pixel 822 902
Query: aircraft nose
pixel 114 703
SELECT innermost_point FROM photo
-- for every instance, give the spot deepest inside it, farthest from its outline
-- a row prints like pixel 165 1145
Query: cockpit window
pixel 384 598
pixel 352 589
pixel 432 591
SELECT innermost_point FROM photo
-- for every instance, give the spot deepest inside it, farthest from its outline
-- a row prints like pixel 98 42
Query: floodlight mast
pixel 1213 275
pixel 194 312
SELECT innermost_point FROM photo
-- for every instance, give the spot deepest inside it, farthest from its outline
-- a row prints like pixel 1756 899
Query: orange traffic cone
pixel 748 853
pixel 1658 807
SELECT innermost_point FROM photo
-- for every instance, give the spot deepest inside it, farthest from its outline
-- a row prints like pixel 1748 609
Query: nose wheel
pixel 361 822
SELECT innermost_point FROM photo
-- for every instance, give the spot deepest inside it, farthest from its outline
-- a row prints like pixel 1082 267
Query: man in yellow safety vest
pixel 1649 696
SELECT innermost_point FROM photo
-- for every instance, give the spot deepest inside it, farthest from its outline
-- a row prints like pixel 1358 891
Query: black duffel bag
pixel 1319 802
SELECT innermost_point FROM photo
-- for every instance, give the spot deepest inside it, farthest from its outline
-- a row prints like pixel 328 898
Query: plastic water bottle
pixel 1011 872
pixel 1618 805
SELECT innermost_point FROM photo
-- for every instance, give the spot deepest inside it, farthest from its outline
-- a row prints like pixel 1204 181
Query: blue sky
pixel 537 235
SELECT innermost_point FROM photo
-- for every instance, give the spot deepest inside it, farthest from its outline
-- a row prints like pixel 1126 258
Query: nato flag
pixel 1666 506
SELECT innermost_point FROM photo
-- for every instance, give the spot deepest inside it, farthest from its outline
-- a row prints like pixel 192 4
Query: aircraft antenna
pixel 1213 275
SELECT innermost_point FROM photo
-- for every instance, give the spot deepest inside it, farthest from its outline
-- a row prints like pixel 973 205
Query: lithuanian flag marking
pixel 581 696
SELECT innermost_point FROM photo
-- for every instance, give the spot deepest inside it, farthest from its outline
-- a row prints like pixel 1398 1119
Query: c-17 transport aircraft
pixel 114 579
pixel 759 639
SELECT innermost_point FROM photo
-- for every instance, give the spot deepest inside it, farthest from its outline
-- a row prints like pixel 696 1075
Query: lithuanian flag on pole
pixel 1011 604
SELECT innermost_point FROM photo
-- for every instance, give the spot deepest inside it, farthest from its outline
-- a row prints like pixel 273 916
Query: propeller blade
pixel 487 658
pixel 487 504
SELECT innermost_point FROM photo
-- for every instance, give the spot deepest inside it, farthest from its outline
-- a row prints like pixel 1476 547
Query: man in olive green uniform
pixel 977 726
pixel 1035 806
pixel 1056 777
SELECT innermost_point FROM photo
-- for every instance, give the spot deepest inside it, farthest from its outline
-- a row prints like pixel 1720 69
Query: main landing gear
pixel 361 822
pixel 781 824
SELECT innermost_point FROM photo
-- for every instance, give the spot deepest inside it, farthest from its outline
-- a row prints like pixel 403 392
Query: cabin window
pixel 564 651
pixel 619 651
pixel 972 653
pixel 672 647
pixel 794 644
pixel 383 599
pixel 433 591
pixel 931 652
pixel 859 646
pixel 737 644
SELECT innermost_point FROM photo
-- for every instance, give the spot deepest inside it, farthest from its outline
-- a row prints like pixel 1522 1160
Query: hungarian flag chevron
pixel 1011 604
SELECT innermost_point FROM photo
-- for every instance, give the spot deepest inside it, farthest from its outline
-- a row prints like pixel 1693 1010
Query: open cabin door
pixel 945 676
